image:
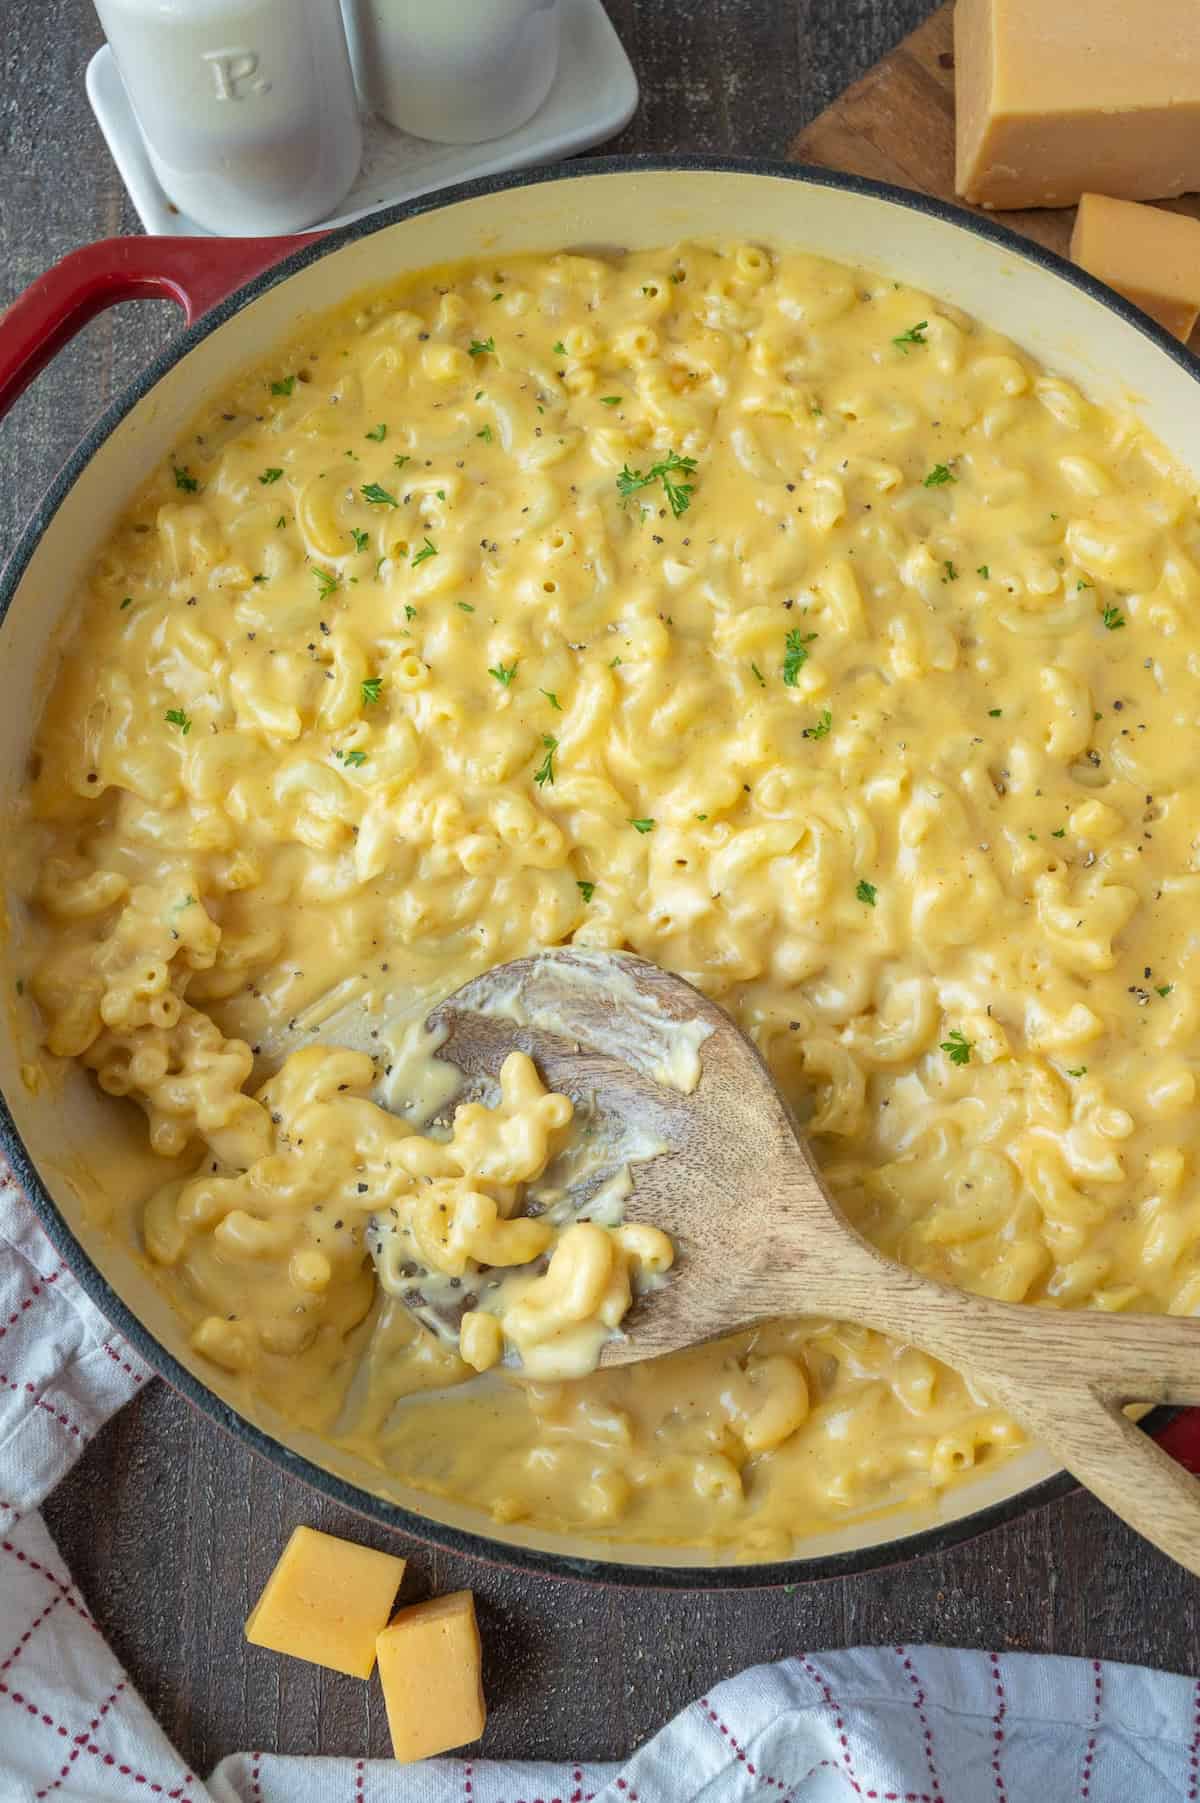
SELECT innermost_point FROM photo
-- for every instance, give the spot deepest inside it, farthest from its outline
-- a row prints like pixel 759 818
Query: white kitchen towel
pixel 895 1724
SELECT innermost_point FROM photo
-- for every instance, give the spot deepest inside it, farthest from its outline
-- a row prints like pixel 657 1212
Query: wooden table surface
pixel 170 1527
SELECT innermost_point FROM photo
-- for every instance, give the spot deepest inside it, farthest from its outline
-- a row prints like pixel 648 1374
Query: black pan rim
pixel 938 1538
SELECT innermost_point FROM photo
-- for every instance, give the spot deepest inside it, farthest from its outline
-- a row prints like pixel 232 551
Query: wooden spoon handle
pixel 1063 1374
pixel 1116 1461
pixel 1124 1358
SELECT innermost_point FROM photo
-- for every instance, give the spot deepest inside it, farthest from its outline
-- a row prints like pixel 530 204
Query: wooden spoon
pixel 758 1235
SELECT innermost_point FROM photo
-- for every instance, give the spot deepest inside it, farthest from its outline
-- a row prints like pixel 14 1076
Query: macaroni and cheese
pixel 758 614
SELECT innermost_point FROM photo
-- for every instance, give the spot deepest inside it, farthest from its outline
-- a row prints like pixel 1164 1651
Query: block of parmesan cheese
pixel 1149 255
pixel 429 1667
pixel 326 1601
pixel 1055 97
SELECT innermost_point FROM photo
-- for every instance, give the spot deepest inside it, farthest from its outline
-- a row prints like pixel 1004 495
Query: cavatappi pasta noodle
pixel 760 615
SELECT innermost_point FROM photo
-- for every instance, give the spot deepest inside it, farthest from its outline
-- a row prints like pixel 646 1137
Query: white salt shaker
pixel 247 107
pixel 456 71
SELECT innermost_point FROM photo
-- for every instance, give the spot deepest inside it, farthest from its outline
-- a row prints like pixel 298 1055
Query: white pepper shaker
pixel 455 71
pixel 247 107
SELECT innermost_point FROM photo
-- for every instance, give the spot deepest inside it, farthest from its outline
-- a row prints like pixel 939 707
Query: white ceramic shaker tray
pixel 593 97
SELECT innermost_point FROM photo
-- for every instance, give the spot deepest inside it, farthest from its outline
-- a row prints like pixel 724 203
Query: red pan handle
pixel 193 272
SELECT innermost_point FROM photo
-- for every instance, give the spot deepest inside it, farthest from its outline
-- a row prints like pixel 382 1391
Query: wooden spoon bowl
pixel 758 1235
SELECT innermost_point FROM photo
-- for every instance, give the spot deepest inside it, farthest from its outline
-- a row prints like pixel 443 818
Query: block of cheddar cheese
pixel 1148 254
pixel 1055 97
pixel 430 1670
pixel 326 1601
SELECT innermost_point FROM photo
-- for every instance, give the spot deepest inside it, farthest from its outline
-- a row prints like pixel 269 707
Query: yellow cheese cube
pixel 1055 97
pixel 326 1601
pixel 1150 256
pixel 429 1666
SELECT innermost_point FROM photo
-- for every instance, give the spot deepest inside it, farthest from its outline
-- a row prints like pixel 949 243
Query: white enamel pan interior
pixel 60 1139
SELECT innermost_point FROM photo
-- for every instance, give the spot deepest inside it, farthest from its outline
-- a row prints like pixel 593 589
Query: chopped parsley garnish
pixel 1060 832
pixel 759 677
pixel 545 771
pixel 1082 583
pixel 994 713
pixel 1079 1071
pixel 326 582
pixel 560 349
pixel 983 571
pixel 1163 989
pixel 428 549
pixel 184 479
pixel 1112 618
pixel 914 335
pixel 175 716
pixel 796 654
pixel 950 573
pixel 281 521
pixel 378 433
pixel 611 400
pixel 821 729
pixel 938 476
pixel 351 757
pixel 485 434
pixel 377 496
pixel 642 826
pixel 359 537
pixel 127 602
pixel 503 673
pixel 401 460
pixel 614 663
pixel 372 688
pixel 587 890
pixel 285 387
pixel 269 476
pixel 679 494
pixel 466 606
pixel 410 612
pixel 866 892
pixel 552 698
pixel 485 347
pixel 629 481
pixel 957 1047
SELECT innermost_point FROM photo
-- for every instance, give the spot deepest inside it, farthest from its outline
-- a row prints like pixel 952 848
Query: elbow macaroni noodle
pixel 766 617
pixel 283 1239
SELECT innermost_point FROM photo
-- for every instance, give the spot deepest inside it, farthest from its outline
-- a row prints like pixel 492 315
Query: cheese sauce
pixel 760 615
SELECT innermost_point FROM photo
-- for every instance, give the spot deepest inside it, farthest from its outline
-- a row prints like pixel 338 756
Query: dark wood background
pixel 170 1527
